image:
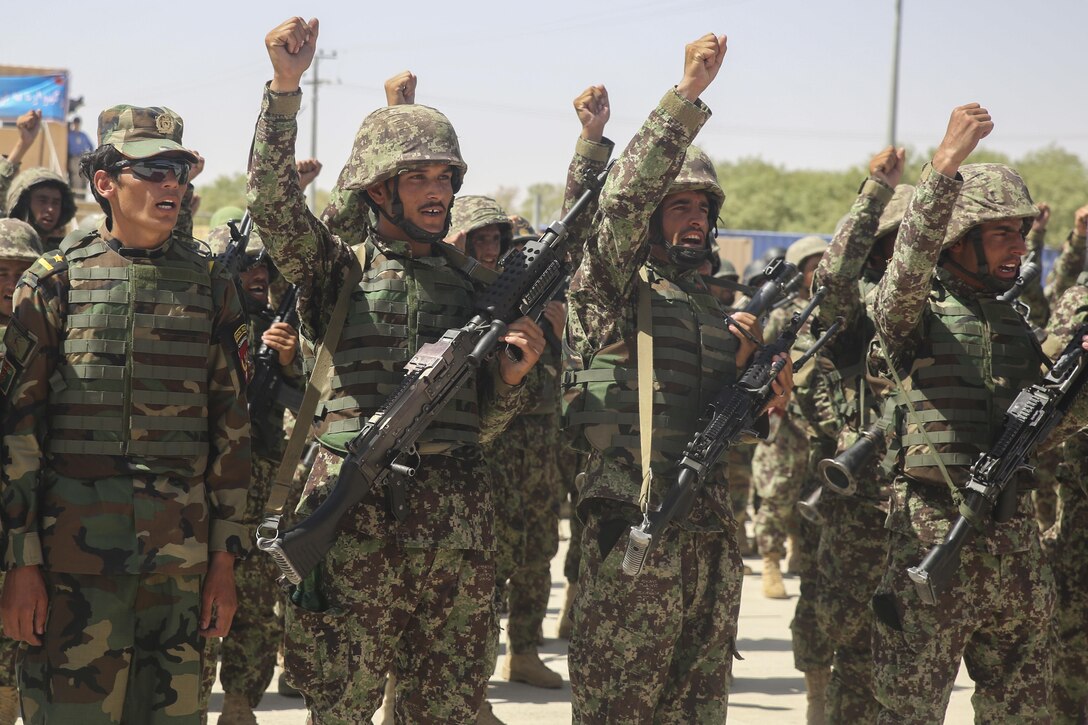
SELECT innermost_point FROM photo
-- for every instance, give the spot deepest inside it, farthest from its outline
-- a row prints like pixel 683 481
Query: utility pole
pixel 895 73
pixel 316 82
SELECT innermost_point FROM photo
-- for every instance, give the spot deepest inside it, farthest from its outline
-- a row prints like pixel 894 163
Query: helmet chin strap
pixel 686 257
pixel 415 232
pixel 982 276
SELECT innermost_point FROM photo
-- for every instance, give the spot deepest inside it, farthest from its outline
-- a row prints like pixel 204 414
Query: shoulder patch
pixel 20 345
pixel 241 344
pixel 47 265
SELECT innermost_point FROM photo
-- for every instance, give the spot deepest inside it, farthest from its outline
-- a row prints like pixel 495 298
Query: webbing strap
pixel 645 347
pixel 281 485
pixel 156 449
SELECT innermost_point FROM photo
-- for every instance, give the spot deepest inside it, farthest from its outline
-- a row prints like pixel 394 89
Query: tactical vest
pixel 978 353
pixel 133 376
pixel 400 304
pixel 694 357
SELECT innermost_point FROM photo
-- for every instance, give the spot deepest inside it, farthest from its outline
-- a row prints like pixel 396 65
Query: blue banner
pixel 19 94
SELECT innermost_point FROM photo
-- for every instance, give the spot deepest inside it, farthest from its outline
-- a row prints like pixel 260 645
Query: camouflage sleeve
pixel 590 158
pixel 228 473
pixel 841 266
pixel 816 397
pixel 1069 264
pixel 903 290
pixel 636 185
pixel 32 344
pixel 499 403
pixel 8 171
pixel 304 250
pixel 776 322
pixel 1070 312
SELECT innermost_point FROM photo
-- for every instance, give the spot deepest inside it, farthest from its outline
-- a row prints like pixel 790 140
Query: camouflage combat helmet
pixel 139 133
pixel 18 240
pixel 727 271
pixel 18 202
pixel 698 174
pixel 804 248
pixel 392 140
pixel 224 214
pixel 476 212
pixel 219 238
pixel 522 227
pixel 990 192
pixel 895 210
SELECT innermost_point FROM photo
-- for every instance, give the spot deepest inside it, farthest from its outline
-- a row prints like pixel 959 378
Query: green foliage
pixel 764 196
pixel 231 191
pixel 551 204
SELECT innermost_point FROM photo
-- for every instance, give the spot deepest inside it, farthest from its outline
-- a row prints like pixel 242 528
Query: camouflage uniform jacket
pixel 8 171
pixel 589 160
pixel 307 254
pixel 901 313
pixel 1033 295
pixel 1070 312
pixel 1069 264
pixel 121 517
pixel 603 293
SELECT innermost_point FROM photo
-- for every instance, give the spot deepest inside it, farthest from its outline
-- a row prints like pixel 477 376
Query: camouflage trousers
pixel 570 465
pixel 527 461
pixel 116 649
pixel 426 615
pixel 9 653
pixel 778 472
pixel 1067 548
pixel 738 471
pixel 812 646
pixel 249 649
pixel 850 560
pixel 657 648
pixel 990 617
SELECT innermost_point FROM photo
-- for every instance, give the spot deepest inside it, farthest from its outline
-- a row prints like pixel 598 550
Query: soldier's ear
pixel 379 193
pixel 105 184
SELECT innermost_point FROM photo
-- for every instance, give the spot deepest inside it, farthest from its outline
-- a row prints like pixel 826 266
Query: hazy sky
pixel 806 83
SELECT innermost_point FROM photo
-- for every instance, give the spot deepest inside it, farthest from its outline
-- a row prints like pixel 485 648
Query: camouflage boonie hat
pixel 393 139
pixel 698 174
pixel 18 240
pixel 521 226
pixel 804 248
pixel 18 202
pixel 219 238
pixel 895 210
pixel 990 192
pixel 139 133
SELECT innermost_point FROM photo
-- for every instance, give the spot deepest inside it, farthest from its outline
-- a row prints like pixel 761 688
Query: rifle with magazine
pixel 730 417
pixel 384 451
pixel 268 385
pixel 991 493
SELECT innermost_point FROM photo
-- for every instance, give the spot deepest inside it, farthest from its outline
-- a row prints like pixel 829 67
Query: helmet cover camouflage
pixel 139 133
pixel 521 226
pixel 18 202
pixel 804 248
pixel 476 212
pixel 393 139
pixel 990 192
pixel 726 271
pixel 895 210
pixel 219 238
pixel 698 174
pixel 18 240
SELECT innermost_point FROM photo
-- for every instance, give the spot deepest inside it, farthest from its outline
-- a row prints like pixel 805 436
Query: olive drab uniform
pixel 925 319
pixel 1065 543
pixel 658 646
pixel 408 584
pixel 135 357
pixel 852 536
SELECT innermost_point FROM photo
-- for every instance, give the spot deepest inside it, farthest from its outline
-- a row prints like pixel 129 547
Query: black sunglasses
pixel 155 170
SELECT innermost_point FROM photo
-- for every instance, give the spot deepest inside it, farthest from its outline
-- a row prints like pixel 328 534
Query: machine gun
pixel 731 415
pixel 384 452
pixel 990 493
pixel 267 384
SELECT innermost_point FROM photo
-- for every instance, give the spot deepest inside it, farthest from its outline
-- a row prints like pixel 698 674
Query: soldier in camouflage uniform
pixel 27 127
pixel 960 243
pixel 1070 262
pixel 657 647
pixel 19 248
pixel 852 537
pixel 126 447
pixel 1066 543
pixel 249 651
pixel 410 594
pixel 43 199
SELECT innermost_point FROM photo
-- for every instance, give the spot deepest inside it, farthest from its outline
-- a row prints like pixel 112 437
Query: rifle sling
pixel 285 475
pixel 645 352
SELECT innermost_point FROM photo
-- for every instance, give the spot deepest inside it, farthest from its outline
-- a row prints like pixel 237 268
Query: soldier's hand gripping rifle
pixel 990 493
pixel 233 257
pixel 384 452
pixel 268 385
pixel 731 415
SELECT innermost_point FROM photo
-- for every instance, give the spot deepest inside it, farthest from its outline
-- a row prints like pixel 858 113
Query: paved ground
pixel 766 690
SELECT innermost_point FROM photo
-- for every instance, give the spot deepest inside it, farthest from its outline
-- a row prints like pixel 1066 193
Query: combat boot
pixel 9 705
pixel 285 688
pixel 566 622
pixel 528 668
pixel 236 710
pixel 486 715
pixel 816 682
pixel 773 586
